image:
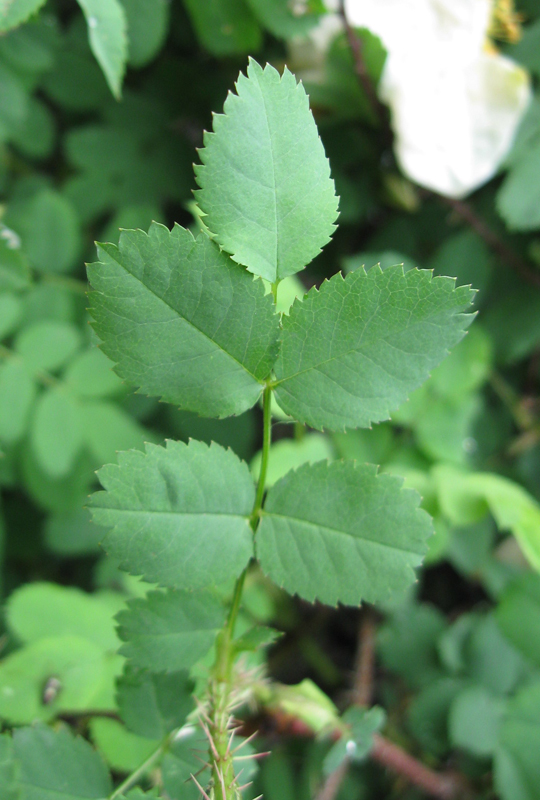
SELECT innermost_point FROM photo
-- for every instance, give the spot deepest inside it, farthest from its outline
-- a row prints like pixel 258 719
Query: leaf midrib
pixel 340 531
pixel 276 235
pixel 172 513
pixel 356 349
pixel 189 322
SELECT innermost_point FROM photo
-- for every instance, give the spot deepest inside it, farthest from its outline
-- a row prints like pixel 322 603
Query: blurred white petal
pixel 454 122
pixel 455 106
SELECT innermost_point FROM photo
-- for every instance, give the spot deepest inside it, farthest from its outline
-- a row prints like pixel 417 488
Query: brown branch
pixel 365 660
pixel 466 212
pixel 356 46
pixel 493 241
pixel 332 784
pixel 444 786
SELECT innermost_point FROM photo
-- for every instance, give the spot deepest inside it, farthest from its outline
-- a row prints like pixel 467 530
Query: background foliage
pixel 102 108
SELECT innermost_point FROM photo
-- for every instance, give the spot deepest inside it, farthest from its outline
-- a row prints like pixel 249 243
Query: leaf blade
pixel 267 143
pixel 165 525
pixel 54 765
pixel 170 631
pixel 107 27
pixel 182 321
pixel 353 350
pixel 341 533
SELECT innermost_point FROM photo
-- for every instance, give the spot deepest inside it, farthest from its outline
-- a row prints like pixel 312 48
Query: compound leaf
pixel 154 705
pixel 341 533
pixel 352 351
pixel 179 514
pixel 55 765
pixel 168 631
pixel 266 190
pixel 182 321
pixel 107 26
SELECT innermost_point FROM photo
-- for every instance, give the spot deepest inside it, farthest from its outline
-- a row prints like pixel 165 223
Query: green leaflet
pixel 183 321
pixel 466 498
pixel 14 269
pixel 341 533
pixel 353 350
pixel 78 664
pixel 518 615
pixel 56 432
pixel 224 27
pixel 167 631
pixel 17 393
pixel 147 23
pixel 266 190
pixel 517 768
pixel 282 19
pixel 122 750
pixel 42 610
pixel 474 720
pixel 54 765
pixel 8 769
pixel 179 515
pixel 107 26
pixel 13 12
pixel 355 743
pixel 154 705
pixel 47 345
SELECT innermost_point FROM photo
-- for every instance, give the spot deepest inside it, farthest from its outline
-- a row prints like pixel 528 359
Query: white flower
pixel 455 102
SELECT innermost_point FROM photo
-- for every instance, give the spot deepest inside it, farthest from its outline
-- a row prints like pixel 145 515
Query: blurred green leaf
pixel 474 721
pixel 225 27
pixel 56 432
pixel 13 12
pixel 41 610
pixel 518 615
pixel 107 32
pixel 517 768
pixel 55 765
pixel 147 23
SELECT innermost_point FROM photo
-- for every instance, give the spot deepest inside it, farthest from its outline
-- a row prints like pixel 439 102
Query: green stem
pixel 274 290
pixel 223 781
pixel 267 440
pixel 132 779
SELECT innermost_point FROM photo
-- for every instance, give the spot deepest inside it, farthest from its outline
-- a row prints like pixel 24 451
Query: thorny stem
pixel 219 724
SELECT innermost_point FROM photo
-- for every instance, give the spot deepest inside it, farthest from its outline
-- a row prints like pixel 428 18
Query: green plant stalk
pixel 220 725
pixel 152 759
